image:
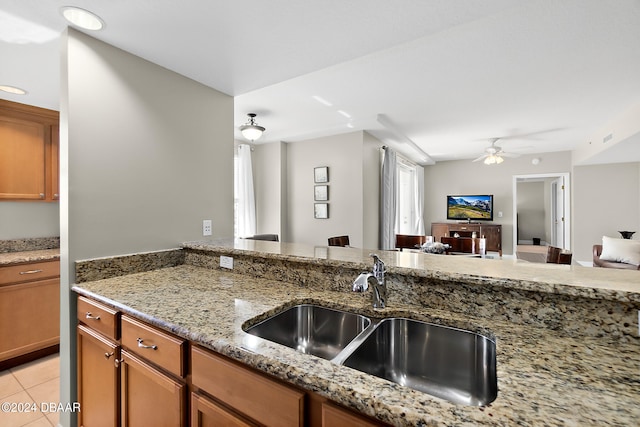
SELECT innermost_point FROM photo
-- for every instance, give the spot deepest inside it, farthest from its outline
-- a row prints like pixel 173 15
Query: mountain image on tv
pixel 469 207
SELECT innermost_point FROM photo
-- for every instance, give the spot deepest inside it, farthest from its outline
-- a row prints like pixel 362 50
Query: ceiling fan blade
pixel 503 154
pixel 480 158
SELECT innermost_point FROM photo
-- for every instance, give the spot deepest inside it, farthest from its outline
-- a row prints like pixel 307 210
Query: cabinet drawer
pixel 250 393
pixel 158 347
pixel 29 272
pixel 99 317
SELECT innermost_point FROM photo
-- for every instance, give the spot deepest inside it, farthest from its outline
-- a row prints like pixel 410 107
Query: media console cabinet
pixel 491 232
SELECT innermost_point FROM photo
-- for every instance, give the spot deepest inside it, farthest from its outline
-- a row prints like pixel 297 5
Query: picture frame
pixel 321 210
pixel 321 174
pixel 321 193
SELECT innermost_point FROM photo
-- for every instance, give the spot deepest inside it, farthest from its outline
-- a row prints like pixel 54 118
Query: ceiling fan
pixel 494 154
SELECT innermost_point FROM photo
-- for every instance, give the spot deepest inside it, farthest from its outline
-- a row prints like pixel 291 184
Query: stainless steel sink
pixel 453 364
pixel 312 329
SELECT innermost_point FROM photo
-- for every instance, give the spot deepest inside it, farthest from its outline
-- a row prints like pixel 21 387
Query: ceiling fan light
pixel 499 160
pixel 251 130
pixel 490 160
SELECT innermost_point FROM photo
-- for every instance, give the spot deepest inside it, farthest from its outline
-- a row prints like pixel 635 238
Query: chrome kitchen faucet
pixel 361 284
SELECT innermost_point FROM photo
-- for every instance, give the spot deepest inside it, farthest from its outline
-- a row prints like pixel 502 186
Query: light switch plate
pixel 226 262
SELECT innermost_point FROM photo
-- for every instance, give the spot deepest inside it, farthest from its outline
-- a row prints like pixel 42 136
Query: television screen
pixel 478 207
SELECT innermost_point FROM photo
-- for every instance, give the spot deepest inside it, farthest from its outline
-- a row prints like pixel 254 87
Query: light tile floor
pixel 33 385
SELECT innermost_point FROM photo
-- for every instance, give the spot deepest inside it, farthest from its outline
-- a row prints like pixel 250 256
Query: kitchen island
pixel 549 371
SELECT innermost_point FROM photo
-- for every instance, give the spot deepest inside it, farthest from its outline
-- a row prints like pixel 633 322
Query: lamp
pixel 251 130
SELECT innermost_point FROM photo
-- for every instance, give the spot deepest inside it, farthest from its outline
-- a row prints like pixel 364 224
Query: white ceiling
pixel 447 75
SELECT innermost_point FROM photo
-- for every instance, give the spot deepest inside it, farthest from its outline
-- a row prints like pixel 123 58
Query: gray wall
pixel 606 199
pixel 531 211
pixel 146 155
pixel 353 161
pixel 19 220
pixel 467 177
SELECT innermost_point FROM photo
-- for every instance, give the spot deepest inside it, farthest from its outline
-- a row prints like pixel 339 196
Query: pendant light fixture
pixel 251 130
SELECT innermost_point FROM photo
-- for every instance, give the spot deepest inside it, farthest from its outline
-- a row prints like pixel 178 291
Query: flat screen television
pixel 470 208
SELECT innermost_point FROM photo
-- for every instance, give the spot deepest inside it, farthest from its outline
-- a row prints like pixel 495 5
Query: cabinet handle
pixel 108 355
pixel 31 271
pixel 140 345
pixel 117 362
pixel 42 195
pixel 55 196
pixel 89 316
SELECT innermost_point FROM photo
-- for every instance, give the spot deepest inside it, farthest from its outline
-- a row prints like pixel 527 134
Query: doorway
pixel 555 207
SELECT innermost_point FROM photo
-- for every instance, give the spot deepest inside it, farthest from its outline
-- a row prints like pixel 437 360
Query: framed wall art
pixel 321 210
pixel 321 174
pixel 321 193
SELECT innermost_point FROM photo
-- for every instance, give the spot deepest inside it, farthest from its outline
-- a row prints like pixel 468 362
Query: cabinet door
pixel 23 156
pixel 29 152
pixel 207 413
pixel 29 317
pixel 494 237
pixel 98 380
pixel 149 396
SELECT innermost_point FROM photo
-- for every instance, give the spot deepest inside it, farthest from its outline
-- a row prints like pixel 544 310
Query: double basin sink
pixel 449 363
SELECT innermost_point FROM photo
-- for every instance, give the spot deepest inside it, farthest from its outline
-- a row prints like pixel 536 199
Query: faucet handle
pixel 361 283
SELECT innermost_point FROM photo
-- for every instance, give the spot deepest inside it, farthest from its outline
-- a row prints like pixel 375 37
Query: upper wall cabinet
pixel 28 152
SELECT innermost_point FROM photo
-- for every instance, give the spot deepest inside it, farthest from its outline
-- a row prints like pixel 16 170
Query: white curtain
pixel 419 200
pixel 388 194
pixel 245 200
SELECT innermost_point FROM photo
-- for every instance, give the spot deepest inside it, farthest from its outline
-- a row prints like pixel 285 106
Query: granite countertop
pixel 8 258
pixel 575 280
pixel 544 378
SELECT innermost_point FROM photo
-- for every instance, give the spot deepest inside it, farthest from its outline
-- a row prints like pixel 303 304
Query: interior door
pixel 557 212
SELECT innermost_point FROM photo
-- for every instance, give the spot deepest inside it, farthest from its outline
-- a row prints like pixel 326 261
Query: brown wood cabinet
pixel 335 416
pixel 150 397
pixel 129 373
pixel 224 389
pixel 248 393
pixel 98 379
pixel 29 152
pixel 141 379
pixel 491 232
pixel 29 311
pixel 207 412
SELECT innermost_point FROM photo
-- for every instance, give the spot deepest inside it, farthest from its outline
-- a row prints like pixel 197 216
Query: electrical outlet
pixel 226 262
pixel 500 214
pixel 206 227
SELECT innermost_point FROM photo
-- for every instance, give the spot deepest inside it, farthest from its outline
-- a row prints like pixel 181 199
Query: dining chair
pixel 339 241
pixel 408 241
pixel 269 237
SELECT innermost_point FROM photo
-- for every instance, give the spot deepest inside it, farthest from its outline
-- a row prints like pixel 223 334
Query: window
pixel 409 200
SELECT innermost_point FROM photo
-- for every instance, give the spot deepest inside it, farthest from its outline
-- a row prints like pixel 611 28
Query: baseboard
pixel 19 360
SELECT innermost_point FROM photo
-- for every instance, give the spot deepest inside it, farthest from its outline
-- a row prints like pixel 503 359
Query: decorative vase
pixel 626 234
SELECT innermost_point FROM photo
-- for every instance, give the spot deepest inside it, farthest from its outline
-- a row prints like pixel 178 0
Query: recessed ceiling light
pixel 12 89
pixel 82 18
